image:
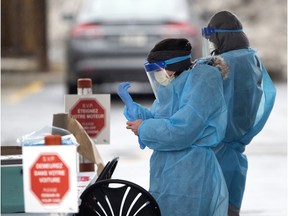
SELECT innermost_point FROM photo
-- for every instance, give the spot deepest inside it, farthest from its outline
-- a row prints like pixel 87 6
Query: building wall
pixel 23 32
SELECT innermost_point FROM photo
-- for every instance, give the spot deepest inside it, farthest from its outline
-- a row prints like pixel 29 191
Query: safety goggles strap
pixel 209 31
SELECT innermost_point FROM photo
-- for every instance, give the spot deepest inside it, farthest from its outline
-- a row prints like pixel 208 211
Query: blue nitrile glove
pixel 128 101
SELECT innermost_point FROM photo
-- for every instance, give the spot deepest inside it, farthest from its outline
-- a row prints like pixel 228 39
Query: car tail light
pixel 180 28
pixel 87 30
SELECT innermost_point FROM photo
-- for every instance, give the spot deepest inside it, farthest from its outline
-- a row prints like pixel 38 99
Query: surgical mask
pixel 211 46
pixel 163 78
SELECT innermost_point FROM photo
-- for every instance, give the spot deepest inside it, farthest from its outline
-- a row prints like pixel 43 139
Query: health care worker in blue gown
pixel 249 94
pixel 187 118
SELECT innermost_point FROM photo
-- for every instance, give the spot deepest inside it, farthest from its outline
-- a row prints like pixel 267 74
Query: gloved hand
pixel 127 100
pixel 131 107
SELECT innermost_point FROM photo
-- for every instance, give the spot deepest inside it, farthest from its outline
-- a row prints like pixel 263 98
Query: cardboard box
pixel 11 150
pixel 86 146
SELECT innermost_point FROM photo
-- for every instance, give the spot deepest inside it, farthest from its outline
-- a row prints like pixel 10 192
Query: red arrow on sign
pixel 49 179
pixel 90 114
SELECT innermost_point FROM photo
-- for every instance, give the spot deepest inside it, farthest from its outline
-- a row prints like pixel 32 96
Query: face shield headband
pixel 151 67
pixel 157 73
pixel 206 32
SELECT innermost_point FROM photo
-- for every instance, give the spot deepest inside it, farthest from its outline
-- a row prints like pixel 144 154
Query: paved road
pixel 25 110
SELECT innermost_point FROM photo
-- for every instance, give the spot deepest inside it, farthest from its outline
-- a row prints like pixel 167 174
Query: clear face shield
pixel 207 46
pixel 158 75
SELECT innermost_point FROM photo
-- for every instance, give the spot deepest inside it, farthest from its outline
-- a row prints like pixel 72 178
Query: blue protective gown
pixel 190 117
pixel 249 94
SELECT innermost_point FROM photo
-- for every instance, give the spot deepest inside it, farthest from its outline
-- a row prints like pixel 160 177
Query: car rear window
pixel 133 10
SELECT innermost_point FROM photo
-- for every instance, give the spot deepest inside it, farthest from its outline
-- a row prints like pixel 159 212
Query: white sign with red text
pixel 50 179
pixel 93 113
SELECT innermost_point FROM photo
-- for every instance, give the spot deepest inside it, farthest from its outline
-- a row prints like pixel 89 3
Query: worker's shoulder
pixel 232 54
pixel 205 70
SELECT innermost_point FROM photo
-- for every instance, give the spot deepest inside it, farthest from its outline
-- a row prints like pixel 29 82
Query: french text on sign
pixel 49 178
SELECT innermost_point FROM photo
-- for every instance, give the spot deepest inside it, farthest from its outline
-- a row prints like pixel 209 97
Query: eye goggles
pixel 162 64
pixel 209 31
